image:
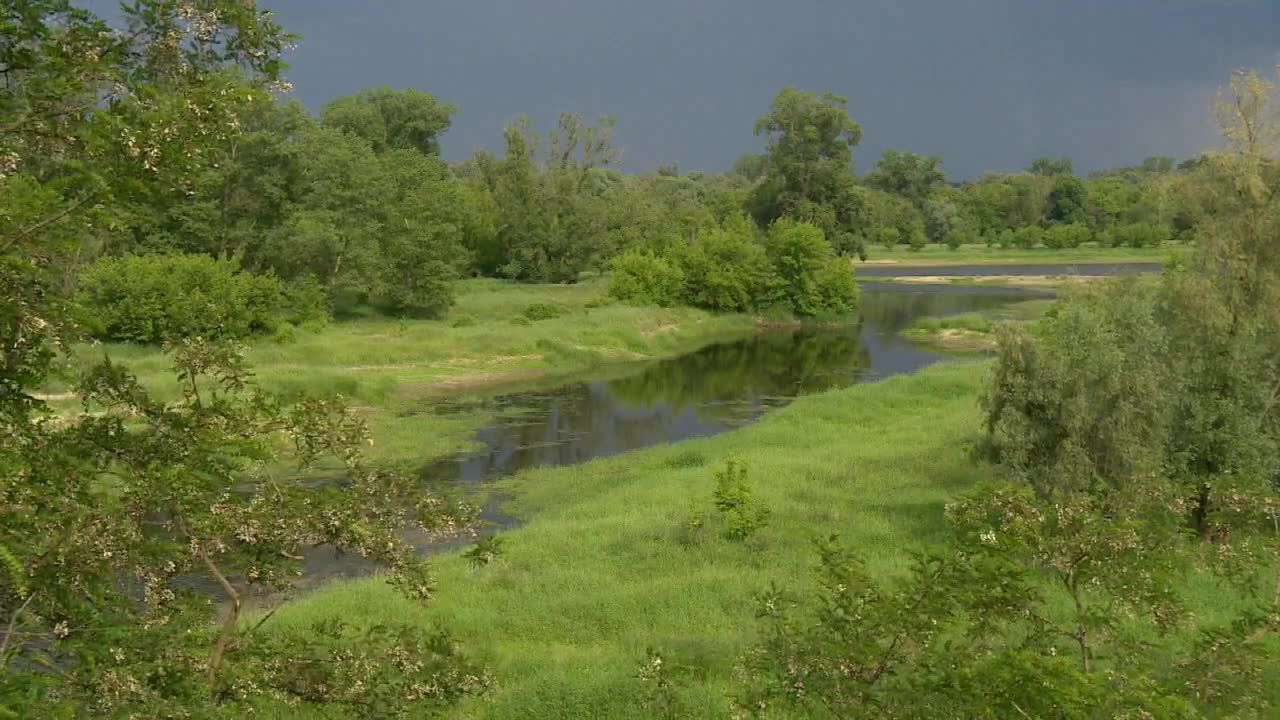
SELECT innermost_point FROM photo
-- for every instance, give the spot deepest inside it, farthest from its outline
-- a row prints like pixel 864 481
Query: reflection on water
pixel 713 389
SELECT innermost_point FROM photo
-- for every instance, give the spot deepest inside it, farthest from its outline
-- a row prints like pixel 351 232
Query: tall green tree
pixel 1067 200
pixel 391 119
pixel 914 177
pixel 1050 167
pixel 810 165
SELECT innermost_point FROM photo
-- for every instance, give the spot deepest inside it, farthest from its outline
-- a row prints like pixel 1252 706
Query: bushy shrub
pixel 642 278
pixel 965 234
pixel 1028 237
pixel 808 276
pixel 890 236
pixel 1139 235
pixel 724 269
pixel 543 311
pixel 1060 237
pixel 154 298
pixel 915 234
pixel 742 513
pixel 486 550
pixel 835 290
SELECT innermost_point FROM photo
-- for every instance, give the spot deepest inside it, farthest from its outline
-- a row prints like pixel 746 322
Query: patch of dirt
pixel 472 381
pixel 663 328
pixel 450 362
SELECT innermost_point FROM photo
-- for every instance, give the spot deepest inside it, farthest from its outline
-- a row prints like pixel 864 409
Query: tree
pixel 1050 167
pixel 941 217
pixel 421 245
pixel 751 166
pixel 1067 200
pixel 1224 314
pixel 810 139
pixel 809 165
pixel 908 175
pixel 390 119
pixel 332 226
pixel 551 218
pixel 806 270
pixel 107 510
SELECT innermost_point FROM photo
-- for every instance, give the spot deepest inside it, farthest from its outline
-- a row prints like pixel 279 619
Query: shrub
pixel 835 290
pixel 1139 235
pixel 797 251
pixel 486 550
pixel 1028 237
pixel 916 237
pixel 642 278
pixel 1066 236
pixel 154 298
pixel 742 512
pixel 808 276
pixel 724 269
pixel 964 234
pixel 543 311
pixel 889 237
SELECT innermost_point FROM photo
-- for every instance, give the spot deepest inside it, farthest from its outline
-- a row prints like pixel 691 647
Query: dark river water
pixel 711 390
pixel 708 391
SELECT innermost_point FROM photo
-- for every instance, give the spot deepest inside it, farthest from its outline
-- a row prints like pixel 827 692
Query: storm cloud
pixel 986 84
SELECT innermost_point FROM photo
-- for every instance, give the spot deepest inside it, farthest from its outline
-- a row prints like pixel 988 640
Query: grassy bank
pixel 985 255
pixel 607 564
pixel 973 332
pixel 388 366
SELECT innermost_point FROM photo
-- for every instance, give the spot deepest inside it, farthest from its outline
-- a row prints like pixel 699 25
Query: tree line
pixel 1136 434
pixel 354 206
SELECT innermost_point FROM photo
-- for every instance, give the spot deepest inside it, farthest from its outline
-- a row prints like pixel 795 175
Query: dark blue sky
pixel 986 84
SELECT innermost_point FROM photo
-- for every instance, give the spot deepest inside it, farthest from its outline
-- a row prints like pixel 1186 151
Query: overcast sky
pixel 985 84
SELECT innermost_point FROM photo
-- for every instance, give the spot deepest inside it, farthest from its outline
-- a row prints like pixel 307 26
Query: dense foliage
pixel 158 298
pixel 155 188
pixel 1136 432
pixel 735 268
pixel 122 522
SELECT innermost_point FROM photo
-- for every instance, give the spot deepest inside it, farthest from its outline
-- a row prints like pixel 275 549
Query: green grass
pixel 607 566
pixel 973 332
pixel 984 255
pixel 387 366
pixel 971 322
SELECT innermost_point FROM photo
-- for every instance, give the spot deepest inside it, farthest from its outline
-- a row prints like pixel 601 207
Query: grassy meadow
pixel 608 565
pixel 387 367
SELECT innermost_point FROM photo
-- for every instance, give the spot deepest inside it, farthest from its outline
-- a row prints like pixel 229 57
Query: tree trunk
pixel 228 626
pixel 1200 513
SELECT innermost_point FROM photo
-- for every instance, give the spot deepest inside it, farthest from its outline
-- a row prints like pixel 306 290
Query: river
pixel 711 390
